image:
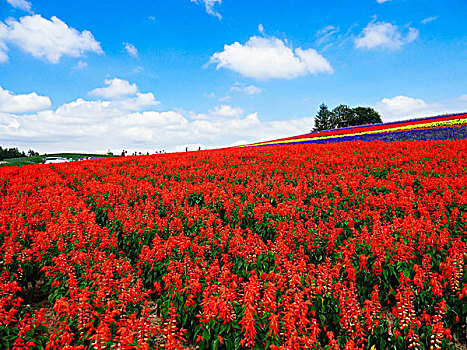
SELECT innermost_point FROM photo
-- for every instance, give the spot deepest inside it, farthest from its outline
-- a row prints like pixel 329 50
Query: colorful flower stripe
pixel 342 134
pixel 381 126
pixel 434 134
pixel 384 125
pixel 400 128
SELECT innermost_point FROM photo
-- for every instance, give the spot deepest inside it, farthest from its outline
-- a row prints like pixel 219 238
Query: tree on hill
pixel 6 153
pixel 343 116
pixel 366 115
pixel 322 119
pixel 13 152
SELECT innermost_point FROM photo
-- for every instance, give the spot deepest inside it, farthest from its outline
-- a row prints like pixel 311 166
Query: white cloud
pixel 333 37
pixel 3 49
pixel 81 65
pixel 212 128
pixel 119 97
pixel 215 131
pixel 43 38
pixel 247 89
pixel 128 122
pixel 381 1
pixel 131 49
pixel 404 107
pixel 170 120
pixel 116 88
pixel 429 19
pixel 261 29
pixel 239 143
pixel 209 5
pixel 227 111
pixel 326 34
pixel 401 105
pixel 384 35
pixel 269 58
pixel 20 4
pixel 209 95
pixel 25 103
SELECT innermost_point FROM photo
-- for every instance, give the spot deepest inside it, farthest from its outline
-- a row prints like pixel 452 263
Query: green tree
pixel 322 119
pixel 366 115
pixel 342 116
pixel 32 153
pixel 6 153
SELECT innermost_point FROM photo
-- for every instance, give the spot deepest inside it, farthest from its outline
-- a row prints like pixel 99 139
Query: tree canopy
pixel 343 116
pixel 13 152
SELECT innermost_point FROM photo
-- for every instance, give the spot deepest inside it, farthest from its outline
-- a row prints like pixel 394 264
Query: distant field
pixel 40 159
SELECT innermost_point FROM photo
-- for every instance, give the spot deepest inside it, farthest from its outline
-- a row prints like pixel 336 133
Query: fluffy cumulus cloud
pixel 23 103
pixel 120 117
pixel 47 39
pixel 209 5
pixel 116 88
pixel 384 35
pixel 405 107
pixel 265 58
pixel 21 4
pixel 402 105
pixel 227 111
pixel 229 130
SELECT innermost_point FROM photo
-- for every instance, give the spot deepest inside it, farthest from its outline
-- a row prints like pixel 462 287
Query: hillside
pixel 355 245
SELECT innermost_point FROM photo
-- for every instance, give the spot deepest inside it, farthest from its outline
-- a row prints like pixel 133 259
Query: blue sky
pixel 152 75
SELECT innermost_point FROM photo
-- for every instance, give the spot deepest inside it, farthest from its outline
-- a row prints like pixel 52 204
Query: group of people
pixel 186 149
pixel 124 153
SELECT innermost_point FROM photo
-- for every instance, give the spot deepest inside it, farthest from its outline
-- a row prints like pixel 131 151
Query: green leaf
pixel 195 334
pixel 206 335
pixel 228 343
pixel 215 344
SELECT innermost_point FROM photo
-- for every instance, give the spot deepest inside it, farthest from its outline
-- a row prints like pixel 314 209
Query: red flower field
pixel 352 245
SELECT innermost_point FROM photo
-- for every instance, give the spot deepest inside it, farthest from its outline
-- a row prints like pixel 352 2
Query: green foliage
pixel 322 120
pixel 10 153
pixel 32 153
pixel 343 116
